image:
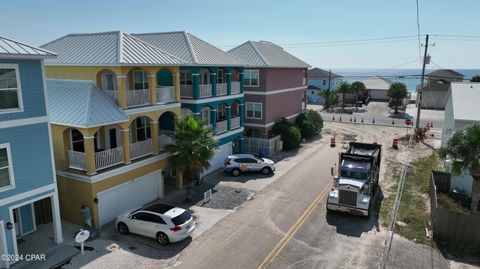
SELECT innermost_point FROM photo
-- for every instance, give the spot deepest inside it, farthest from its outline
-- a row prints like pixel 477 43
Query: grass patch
pixel 413 207
pixel 447 202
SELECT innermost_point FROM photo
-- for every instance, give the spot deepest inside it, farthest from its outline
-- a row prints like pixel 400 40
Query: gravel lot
pixel 225 197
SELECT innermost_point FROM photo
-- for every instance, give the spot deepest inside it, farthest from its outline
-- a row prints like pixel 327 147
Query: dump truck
pixel 356 179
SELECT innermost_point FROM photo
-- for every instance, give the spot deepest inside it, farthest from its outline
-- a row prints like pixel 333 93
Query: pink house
pixel 274 81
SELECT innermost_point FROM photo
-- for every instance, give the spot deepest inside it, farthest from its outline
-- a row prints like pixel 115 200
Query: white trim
pixel 254 103
pixel 213 99
pixel 268 124
pixel 152 108
pixel 232 132
pixel 27 194
pixel 19 90
pixel 11 174
pixel 22 122
pixel 275 91
pixel 120 76
pixel 4 243
pixel 114 172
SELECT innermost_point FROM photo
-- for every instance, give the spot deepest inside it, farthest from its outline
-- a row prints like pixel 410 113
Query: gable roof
pixel 376 83
pixel 320 73
pixel 445 74
pixel 266 54
pixel 465 98
pixel 11 48
pixel 108 48
pixel 78 103
pixel 189 48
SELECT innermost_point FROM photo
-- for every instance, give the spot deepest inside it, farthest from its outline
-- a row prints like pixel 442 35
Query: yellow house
pixel 113 102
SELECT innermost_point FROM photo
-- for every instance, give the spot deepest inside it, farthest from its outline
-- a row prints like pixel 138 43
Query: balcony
pixel 235 123
pixel 186 91
pixel 205 90
pixel 138 97
pixel 221 127
pixel 165 94
pixel 221 89
pixel 103 159
pixel 166 138
pixel 235 87
pixel 140 149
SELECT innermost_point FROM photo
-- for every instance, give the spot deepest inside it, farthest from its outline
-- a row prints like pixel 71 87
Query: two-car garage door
pixel 219 158
pixel 131 194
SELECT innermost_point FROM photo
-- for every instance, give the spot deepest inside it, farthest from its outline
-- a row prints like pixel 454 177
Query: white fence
pixel 138 97
pixel 186 91
pixel 140 149
pixel 76 160
pixel 103 159
pixel 235 87
pixel 165 94
pixel 221 89
pixel 205 90
pixel 221 126
pixel 268 147
pixel 235 123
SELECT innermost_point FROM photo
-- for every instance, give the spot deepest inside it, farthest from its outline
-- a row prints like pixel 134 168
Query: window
pixel 140 80
pixel 254 110
pixel 235 110
pixel 6 169
pixel 324 82
pixel 10 93
pixel 156 219
pixel 221 76
pixel 185 78
pixel 141 216
pixel 204 77
pixel 221 112
pixel 205 115
pixel 143 129
pixel 182 218
pixel 250 78
pixel 77 141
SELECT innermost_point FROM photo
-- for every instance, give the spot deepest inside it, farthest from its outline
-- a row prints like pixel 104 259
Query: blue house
pixel 28 191
pixel 319 80
pixel 211 87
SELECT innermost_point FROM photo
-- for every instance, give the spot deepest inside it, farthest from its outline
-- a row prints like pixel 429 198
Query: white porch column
pixel 57 224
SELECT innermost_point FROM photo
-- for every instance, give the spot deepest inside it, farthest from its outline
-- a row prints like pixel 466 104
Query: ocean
pixel 410 77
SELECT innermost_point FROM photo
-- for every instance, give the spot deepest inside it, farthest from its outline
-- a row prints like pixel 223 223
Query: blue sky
pixel 227 23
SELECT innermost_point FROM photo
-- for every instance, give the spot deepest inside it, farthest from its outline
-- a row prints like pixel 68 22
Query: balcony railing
pixel 205 90
pixel 235 87
pixel 165 138
pixel 165 94
pixel 103 159
pixel 140 149
pixel 221 126
pixel 221 89
pixel 186 91
pixel 138 97
pixel 235 123
pixel 208 126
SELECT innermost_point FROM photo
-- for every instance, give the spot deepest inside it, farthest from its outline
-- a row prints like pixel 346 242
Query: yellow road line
pixel 292 231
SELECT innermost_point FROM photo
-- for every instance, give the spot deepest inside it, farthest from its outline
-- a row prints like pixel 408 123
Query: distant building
pixel 435 89
pixel 461 110
pixel 274 82
pixel 319 80
pixel 377 88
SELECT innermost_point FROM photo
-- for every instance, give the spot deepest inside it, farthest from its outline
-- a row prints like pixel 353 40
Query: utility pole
pixel 328 97
pixel 420 93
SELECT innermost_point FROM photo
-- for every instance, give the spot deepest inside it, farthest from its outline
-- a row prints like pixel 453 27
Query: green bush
pixel 291 138
pixel 290 134
pixel 310 123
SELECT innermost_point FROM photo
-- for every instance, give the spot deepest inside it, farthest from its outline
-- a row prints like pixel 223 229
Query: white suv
pixel 162 222
pixel 236 164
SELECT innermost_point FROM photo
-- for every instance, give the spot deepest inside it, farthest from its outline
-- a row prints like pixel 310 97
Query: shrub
pixel 290 134
pixel 310 123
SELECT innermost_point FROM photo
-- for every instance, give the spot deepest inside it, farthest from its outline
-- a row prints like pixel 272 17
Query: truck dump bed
pixel 364 149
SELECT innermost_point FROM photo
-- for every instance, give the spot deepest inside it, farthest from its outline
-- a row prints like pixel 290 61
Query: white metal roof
pixel 266 54
pixel 108 48
pixel 190 48
pixel 376 83
pixel 11 48
pixel 465 97
pixel 78 103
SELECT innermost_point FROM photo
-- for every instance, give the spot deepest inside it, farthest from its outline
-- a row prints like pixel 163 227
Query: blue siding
pixel 30 152
pixel 31 80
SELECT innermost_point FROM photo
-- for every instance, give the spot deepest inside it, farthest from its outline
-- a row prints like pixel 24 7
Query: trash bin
pixel 263 152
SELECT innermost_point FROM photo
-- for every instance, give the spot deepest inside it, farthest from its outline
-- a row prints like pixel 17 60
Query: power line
pixel 418 33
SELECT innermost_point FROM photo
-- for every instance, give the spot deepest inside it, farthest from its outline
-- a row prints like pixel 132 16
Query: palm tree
pixel 475 79
pixel 330 97
pixel 358 87
pixel 193 148
pixel 343 88
pixel 464 150
pixel 397 91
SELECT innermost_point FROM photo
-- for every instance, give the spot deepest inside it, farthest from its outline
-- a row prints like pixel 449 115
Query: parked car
pixel 236 164
pixel 163 222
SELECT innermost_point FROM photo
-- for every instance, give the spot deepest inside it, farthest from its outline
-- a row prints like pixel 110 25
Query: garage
pixel 128 195
pixel 217 161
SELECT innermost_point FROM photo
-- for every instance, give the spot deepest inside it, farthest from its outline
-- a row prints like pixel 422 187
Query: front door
pixel 112 134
